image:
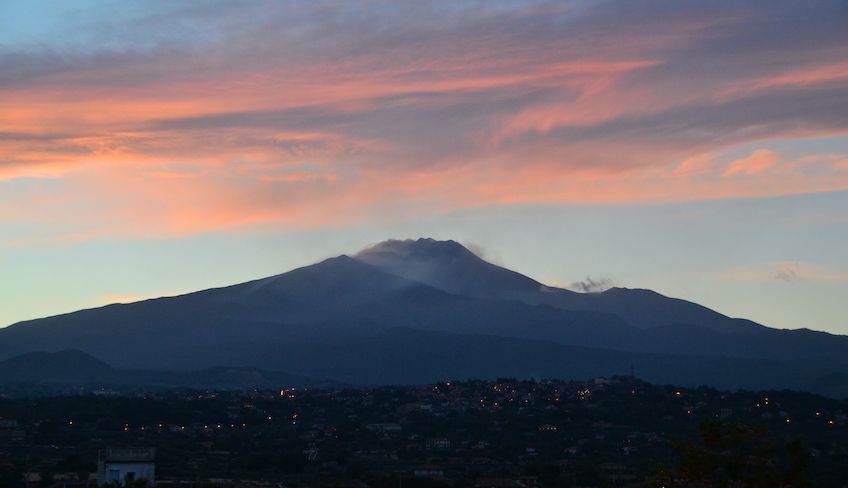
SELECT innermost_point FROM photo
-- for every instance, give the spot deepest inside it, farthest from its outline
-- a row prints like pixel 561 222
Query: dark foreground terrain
pixel 508 433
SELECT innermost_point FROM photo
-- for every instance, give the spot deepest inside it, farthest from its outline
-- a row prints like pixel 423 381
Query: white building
pixel 122 465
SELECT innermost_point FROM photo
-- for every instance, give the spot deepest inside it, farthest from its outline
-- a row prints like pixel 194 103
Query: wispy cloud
pixel 197 117
pixel 759 161
pixel 788 275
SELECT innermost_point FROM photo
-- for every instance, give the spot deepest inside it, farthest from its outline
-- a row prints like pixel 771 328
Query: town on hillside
pixel 607 432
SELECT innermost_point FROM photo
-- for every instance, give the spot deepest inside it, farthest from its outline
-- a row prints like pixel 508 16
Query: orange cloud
pixel 825 73
pixel 19 169
pixel 301 177
pixel 366 124
pixel 696 165
pixel 759 161
pixel 134 198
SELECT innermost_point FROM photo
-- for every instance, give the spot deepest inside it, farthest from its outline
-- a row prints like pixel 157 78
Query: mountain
pixel 306 321
pixel 416 356
pixel 218 378
pixel 449 266
pixel 671 325
pixel 67 366
pixel 337 297
pixel 76 367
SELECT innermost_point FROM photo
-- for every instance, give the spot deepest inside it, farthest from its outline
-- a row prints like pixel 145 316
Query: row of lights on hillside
pixel 126 427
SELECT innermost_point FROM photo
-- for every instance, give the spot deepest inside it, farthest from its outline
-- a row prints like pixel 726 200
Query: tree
pixel 731 454
pixel 11 476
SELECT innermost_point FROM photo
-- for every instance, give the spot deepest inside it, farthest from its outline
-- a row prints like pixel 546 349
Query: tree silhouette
pixel 730 454
pixel 128 484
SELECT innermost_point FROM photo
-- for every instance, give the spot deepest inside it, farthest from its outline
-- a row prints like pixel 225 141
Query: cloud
pixel 809 75
pixel 759 161
pixel 484 253
pixel 696 165
pixel 176 119
pixel 591 285
pixel 788 275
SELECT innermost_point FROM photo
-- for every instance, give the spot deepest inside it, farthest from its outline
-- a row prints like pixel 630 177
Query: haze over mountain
pixel 398 312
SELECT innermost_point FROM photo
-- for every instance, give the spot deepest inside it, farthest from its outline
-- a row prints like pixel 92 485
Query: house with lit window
pixel 122 465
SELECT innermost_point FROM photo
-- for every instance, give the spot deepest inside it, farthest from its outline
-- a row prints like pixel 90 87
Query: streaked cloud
pixel 166 119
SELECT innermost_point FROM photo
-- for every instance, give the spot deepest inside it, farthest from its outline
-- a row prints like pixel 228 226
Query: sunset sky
pixel 699 149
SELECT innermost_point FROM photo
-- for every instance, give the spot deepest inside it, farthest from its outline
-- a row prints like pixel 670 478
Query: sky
pixel 699 149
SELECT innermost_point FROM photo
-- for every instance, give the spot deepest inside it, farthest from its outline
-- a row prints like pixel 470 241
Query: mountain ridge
pixel 74 367
pixel 434 287
pixel 419 260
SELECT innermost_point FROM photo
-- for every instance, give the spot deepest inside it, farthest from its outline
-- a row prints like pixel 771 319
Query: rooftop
pixel 128 455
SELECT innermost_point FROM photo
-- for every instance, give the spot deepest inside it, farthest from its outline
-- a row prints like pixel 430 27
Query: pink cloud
pixel 757 162
pixel 125 194
pixel 339 125
pixel 809 75
pixel 696 165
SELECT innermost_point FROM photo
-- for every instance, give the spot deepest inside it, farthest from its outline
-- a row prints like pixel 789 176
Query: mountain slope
pixel 449 266
pixel 402 355
pixel 338 305
pixel 337 297
pixel 60 367
pixel 77 368
pixel 671 325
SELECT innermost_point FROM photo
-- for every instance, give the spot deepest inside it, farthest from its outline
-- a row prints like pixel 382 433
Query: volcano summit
pixel 412 311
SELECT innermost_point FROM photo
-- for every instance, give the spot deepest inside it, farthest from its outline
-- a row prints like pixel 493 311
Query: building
pixel 122 465
pixel 428 472
pixel 439 443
